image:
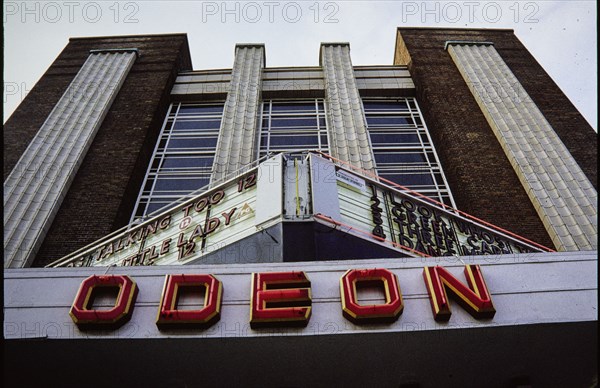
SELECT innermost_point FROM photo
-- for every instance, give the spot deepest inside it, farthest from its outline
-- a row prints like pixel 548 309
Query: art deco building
pixel 294 226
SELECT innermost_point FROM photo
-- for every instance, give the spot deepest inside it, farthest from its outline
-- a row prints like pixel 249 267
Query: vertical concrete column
pixel 238 132
pixel 349 140
pixel 562 195
pixel 34 190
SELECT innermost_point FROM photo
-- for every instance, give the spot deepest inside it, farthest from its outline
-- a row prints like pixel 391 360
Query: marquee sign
pixel 412 224
pixel 242 206
pixel 180 235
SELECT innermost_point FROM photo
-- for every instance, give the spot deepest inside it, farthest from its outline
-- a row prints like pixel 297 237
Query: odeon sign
pixel 281 298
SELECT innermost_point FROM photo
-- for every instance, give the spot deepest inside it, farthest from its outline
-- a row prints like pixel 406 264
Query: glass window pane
pixel 324 140
pixel 409 179
pixel 277 122
pixel 194 162
pixel 199 142
pixel 179 184
pixel 162 144
pixel 264 139
pixel 148 185
pixel 140 209
pixel 291 107
pixel 398 157
pixel 388 120
pixel 156 164
pixel 196 124
pixel 200 110
pixel 394 138
pixel 383 106
pixel 294 140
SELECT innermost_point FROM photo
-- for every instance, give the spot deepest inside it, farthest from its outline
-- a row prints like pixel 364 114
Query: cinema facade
pixel 427 223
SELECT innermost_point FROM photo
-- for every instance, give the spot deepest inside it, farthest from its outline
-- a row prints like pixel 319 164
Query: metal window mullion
pixel 423 147
pixel 154 155
pixel 435 155
pixel 368 132
pixel 269 127
pixel 322 131
pixel 259 128
pixel 319 144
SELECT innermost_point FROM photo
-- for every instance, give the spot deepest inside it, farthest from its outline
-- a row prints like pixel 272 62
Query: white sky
pixel 560 34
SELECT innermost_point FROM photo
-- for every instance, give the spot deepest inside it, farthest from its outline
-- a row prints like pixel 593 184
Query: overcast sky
pixel 560 34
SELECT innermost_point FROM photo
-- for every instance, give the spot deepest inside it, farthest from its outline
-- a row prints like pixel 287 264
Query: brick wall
pixel 480 176
pixel 103 193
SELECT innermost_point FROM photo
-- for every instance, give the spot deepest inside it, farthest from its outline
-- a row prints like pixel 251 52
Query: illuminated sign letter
pixel 170 316
pixel 357 313
pixel 275 301
pixel 475 298
pixel 85 317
